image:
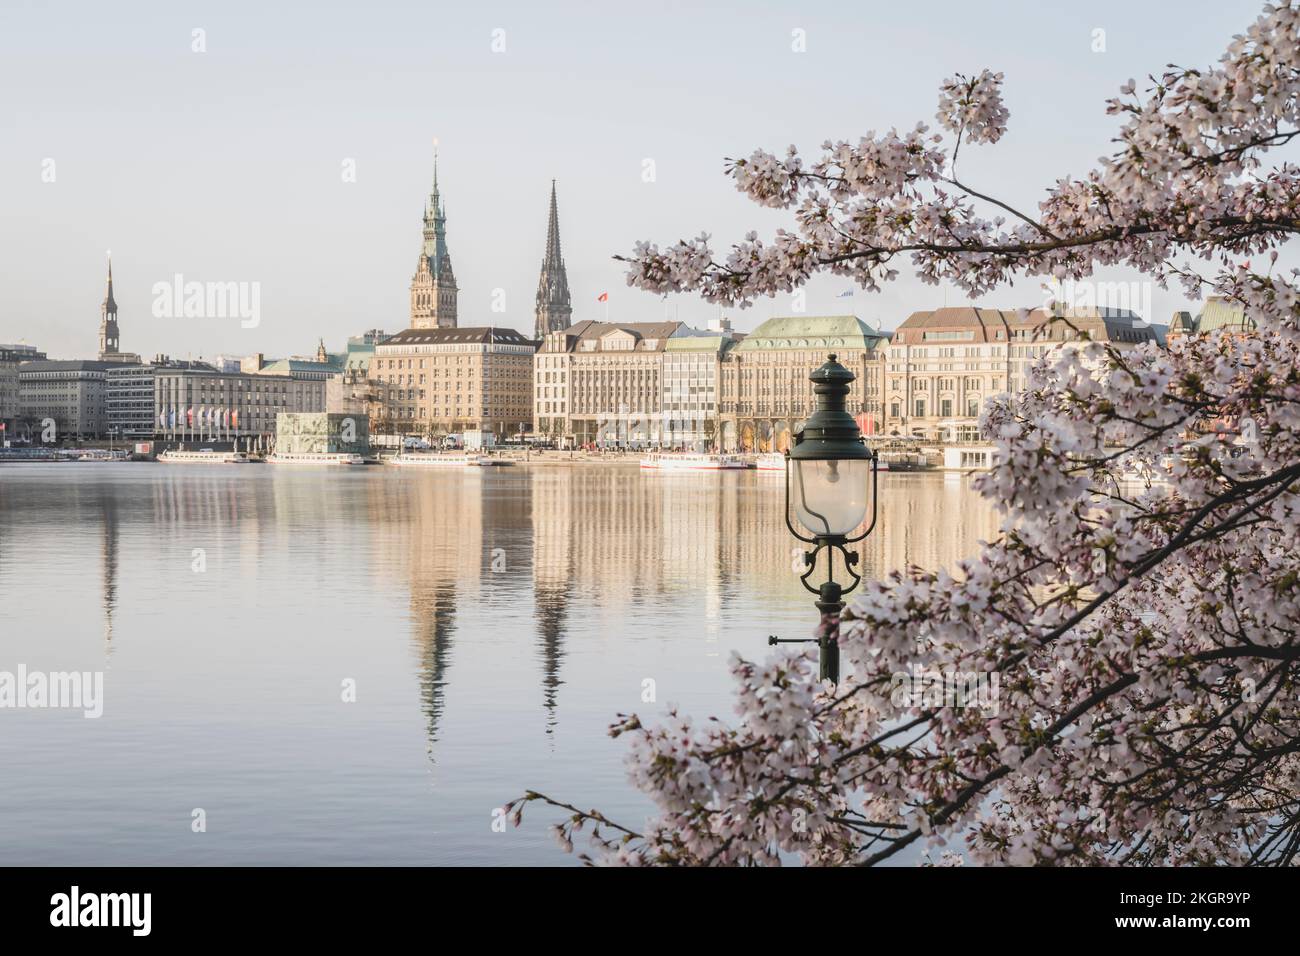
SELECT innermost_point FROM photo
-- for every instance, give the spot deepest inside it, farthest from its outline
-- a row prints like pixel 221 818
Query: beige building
pixel 943 365
pixel 764 385
pixel 601 382
pixel 439 381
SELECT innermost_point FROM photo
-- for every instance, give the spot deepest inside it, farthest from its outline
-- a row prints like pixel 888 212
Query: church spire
pixel 553 232
pixel 108 336
pixel 554 308
pixel 109 306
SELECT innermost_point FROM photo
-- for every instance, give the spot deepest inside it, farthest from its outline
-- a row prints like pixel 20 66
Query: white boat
pixel 687 462
pixel 405 460
pixel 770 461
pixel 205 456
pixel 315 458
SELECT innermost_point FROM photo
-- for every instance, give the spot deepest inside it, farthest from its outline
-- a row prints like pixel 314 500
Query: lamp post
pixel 827 473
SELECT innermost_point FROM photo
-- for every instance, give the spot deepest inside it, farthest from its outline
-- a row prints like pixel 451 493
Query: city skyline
pixel 262 198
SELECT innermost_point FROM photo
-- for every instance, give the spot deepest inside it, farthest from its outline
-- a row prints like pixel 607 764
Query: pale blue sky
pixel 225 165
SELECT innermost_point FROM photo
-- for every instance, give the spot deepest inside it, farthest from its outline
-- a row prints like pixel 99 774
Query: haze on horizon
pixel 226 165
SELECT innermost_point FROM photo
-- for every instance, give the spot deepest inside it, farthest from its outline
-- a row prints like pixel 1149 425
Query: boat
pixel 100 455
pixel 405 460
pixel 205 456
pixel 687 462
pixel 902 461
pixel 314 458
pixel 416 460
pixel 770 461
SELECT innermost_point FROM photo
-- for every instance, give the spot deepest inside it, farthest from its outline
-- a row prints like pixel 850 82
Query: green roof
pixel 1219 313
pixel 301 365
pixel 812 332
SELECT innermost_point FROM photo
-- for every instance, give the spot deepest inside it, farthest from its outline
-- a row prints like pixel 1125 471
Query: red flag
pixel 603 297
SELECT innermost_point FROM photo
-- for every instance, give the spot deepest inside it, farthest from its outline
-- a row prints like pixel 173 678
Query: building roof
pixel 287 366
pixel 1220 313
pixel 66 365
pixel 480 334
pixel 812 332
pixel 987 325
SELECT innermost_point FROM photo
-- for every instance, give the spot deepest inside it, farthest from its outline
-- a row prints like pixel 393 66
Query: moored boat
pixel 417 460
pixel 205 456
pixel 314 458
pixel 407 460
pixel 688 462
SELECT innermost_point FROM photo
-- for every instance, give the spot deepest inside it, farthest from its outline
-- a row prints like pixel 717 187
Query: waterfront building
pixel 691 387
pixel 128 402
pixel 130 408
pixel 198 402
pixel 11 357
pixel 439 381
pixel 764 387
pixel 941 366
pixel 433 287
pixel 601 382
pixel 554 307
pixel 69 393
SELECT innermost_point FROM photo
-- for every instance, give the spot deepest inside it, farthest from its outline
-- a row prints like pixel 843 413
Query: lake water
pixel 493 622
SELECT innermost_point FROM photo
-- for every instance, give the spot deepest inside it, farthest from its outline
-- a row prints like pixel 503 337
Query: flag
pixel 189 417
pixel 603 297
pixel 234 419
pixel 847 294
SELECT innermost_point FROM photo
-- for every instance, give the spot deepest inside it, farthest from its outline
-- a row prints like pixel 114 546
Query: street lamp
pixel 827 472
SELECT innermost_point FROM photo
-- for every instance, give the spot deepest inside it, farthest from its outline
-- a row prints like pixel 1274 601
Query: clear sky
pixel 226 165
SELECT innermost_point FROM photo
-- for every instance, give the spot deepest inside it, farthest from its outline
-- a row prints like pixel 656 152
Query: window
pixel 919 408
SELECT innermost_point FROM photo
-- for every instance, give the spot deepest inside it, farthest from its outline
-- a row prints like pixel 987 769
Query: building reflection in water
pixel 606 549
pixel 551 506
pixel 622 546
pixel 107 502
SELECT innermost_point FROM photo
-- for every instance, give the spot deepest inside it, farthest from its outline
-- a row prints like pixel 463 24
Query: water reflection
pixel 481 611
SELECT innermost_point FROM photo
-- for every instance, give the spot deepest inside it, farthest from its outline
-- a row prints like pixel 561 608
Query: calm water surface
pixel 494 622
